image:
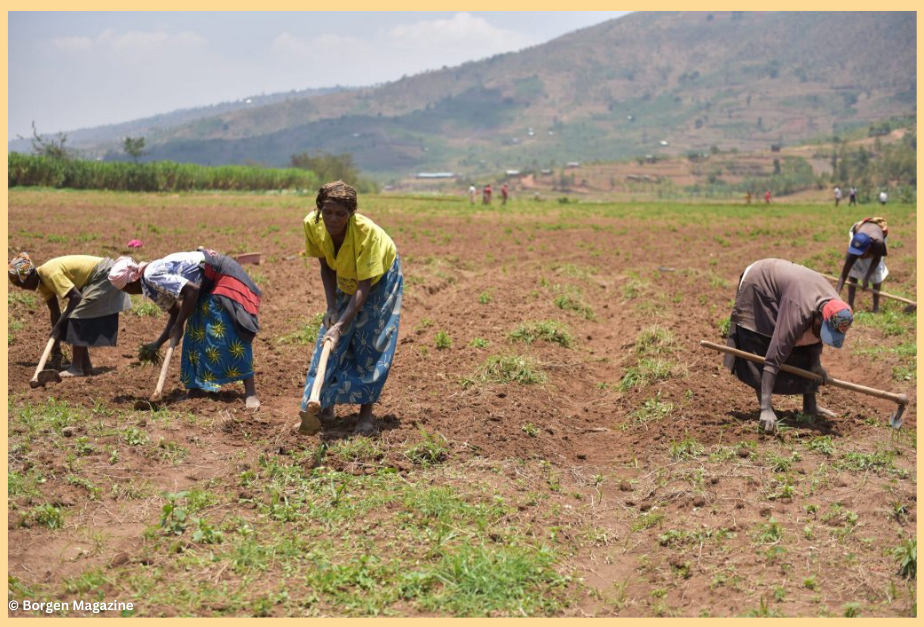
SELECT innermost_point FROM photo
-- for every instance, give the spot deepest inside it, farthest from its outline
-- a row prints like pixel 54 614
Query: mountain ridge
pixel 644 83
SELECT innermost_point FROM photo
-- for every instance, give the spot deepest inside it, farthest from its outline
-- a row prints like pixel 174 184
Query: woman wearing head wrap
pixel 218 304
pixel 91 317
pixel 363 284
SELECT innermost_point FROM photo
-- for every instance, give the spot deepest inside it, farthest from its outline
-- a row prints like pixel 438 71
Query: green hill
pixel 648 83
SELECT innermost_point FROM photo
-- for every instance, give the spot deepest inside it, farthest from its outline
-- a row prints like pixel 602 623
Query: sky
pixel 72 70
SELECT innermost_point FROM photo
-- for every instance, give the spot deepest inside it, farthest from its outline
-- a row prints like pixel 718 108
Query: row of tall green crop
pixel 158 176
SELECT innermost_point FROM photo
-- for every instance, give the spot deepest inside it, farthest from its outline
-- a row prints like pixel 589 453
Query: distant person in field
pixel 91 318
pixel 767 197
pixel 363 286
pixel 837 195
pixel 747 198
pixel 213 305
pixel 865 258
pixel 486 194
pixel 883 197
pixel 853 197
pixel 472 194
pixel 504 194
pixel 784 312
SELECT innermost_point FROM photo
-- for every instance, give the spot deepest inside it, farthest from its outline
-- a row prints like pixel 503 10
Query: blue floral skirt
pixel 213 352
pixel 358 366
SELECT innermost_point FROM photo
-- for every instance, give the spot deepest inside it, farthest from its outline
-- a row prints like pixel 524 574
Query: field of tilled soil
pixel 551 441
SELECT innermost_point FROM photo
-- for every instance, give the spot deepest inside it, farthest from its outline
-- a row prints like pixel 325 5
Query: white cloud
pixel 404 49
pixel 326 44
pixel 148 40
pixel 461 31
pixel 130 41
pixel 72 44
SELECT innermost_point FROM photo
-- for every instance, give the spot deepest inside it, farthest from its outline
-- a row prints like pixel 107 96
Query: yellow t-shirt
pixel 61 274
pixel 366 253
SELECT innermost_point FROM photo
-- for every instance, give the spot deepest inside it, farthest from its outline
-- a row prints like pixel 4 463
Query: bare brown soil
pixel 584 426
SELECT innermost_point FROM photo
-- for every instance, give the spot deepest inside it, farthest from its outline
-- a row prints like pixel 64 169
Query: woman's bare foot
pixel 252 403
pixel 192 393
pixel 327 414
pixel 364 426
pixel 72 372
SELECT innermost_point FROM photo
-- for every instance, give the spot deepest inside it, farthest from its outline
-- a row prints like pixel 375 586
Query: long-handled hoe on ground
pixel 895 419
pixel 911 305
pixel 158 390
pixel 42 376
pixel 310 423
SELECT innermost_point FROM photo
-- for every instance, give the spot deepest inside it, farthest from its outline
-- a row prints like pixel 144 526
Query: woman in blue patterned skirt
pixel 363 284
pixel 212 296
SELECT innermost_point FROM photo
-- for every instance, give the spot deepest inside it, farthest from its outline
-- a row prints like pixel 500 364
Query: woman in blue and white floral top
pixel 213 298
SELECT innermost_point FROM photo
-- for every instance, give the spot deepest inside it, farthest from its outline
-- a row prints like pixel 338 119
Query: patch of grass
pixel 647 521
pixel 19 297
pixel 634 288
pixel 717 281
pixel 484 298
pixel 432 449
pixel 307 334
pixel 888 321
pixel 575 271
pixel 530 429
pixel 906 554
pixel 879 461
pixel 510 369
pixel 365 450
pixel 822 444
pixel 423 325
pixel 442 340
pixel 724 326
pixel 687 449
pixel 654 340
pixel 479 342
pixel 545 330
pixel 770 532
pixel 573 300
pixel 13 326
pixel 134 437
pixel 652 409
pixel 143 307
pixel 171 452
pixel 47 515
pixel 646 372
pixel 489 581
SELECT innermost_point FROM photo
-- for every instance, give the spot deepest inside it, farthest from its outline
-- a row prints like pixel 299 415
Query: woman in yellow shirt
pixel 363 284
pixel 93 304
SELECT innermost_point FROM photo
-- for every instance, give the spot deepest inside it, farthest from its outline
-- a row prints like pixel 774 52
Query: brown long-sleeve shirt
pixel 780 299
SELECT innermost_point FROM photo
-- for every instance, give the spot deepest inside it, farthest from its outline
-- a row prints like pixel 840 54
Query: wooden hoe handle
pixel 869 289
pixel 34 382
pixel 163 371
pixel 314 402
pixel 901 399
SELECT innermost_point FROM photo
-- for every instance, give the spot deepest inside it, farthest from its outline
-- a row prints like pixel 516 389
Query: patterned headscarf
pixel 339 192
pixel 125 270
pixel 20 267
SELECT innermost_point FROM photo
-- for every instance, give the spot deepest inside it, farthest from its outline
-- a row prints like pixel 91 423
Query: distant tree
pixel 134 147
pixel 52 147
pixel 328 167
